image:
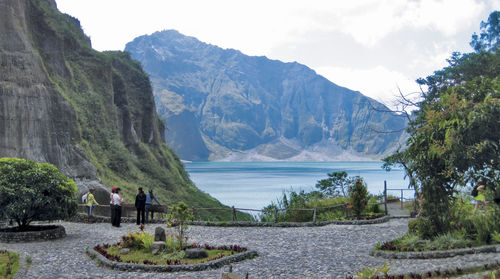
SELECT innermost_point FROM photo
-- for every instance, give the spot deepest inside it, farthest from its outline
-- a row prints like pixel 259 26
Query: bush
pixel 425 228
pixel 138 240
pixel 32 191
pixel 358 197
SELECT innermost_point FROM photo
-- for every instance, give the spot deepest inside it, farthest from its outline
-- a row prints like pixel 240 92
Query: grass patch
pixel 9 264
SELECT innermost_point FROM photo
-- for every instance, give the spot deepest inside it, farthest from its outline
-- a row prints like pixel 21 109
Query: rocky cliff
pixel 91 114
pixel 222 104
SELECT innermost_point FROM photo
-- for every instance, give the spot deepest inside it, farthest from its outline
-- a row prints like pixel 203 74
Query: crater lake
pixel 254 185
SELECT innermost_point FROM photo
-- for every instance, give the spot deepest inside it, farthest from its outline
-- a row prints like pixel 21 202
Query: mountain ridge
pixel 232 105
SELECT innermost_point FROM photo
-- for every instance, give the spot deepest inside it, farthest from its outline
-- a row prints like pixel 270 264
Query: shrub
pixel 484 228
pixel 358 197
pixel 35 191
pixel 413 226
pixel 425 228
pixel 448 241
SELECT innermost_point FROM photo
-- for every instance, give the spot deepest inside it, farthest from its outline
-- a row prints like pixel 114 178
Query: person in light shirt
pixel 112 204
pixel 117 203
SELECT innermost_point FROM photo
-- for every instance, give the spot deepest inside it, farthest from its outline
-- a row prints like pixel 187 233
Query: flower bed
pixel 109 256
pixel 170 252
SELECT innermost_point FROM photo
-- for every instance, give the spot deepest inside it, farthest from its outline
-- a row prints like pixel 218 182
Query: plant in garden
pixel 138 240
pixel 369 273
pixel 358 197
pixel 35 191
pixel 179 216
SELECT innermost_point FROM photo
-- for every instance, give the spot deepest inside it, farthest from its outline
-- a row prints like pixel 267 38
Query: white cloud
pixel 259 27
pixel 378 83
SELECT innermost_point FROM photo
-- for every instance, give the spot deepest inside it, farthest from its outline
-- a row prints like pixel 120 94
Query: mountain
pixel 220 104
pixel 92 114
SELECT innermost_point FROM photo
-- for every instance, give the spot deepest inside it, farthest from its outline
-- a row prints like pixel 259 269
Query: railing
pixel 402 199
pixel 128 210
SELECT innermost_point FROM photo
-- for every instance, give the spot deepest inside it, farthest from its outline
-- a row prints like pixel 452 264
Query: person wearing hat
pixel 140 205
pixel 117 204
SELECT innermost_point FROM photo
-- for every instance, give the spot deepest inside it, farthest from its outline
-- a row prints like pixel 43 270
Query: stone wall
pixel 50 233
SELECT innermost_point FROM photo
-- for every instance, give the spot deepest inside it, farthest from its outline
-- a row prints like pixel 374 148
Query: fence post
pixel 385 197
pixel 234 214
pixel 346 210
pixel 194 212
pixel 314 215
pixel 275 215
pixel 401 198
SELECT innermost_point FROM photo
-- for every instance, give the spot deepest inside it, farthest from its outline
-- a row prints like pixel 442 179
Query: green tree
pixel 335 185
pixel 453 136
pixel 179 216
pixel 32 191
pixel 490 34
pixel 358 197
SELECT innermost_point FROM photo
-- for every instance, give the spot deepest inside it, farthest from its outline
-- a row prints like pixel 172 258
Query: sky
pixel 376 47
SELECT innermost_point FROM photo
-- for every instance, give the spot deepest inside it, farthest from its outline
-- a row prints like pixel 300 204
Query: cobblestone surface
pixel 312 252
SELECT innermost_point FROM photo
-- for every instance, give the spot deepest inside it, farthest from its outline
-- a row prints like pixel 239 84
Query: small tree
pixel 358 197
pixel 179 216
pixel 32 191
pixel 335 185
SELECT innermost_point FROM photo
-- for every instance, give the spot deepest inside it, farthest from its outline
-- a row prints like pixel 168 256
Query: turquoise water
pixel 254 185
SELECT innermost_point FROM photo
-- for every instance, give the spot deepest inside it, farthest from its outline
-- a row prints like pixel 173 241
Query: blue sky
pixel 374 46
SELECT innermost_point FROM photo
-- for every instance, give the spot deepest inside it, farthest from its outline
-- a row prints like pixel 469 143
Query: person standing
pixel 112 204
pixel 480 198
pixel 90 204
pixel 149 204
pixel 117 201
pixel 140 205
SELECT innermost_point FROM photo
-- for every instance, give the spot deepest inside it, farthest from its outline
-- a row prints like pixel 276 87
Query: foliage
pixel 138 240
pixel 369 273
pixel 453 139
pixel 179 216
pixel 9 264
pixel 358 197
pixel 35 191
pixel 171 244
pixel 489 39
pixel 298 207
pixel 335 185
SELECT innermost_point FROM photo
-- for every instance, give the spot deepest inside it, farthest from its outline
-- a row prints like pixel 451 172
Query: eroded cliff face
pixel 36 122
pixel 92 114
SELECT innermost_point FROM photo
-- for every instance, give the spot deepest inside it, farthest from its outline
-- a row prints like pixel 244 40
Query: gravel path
pixel 312 252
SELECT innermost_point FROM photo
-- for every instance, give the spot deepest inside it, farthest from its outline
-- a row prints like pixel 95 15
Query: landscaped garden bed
pixel 9 264
pixel 136 252
pixel 469 233
pixel 165 252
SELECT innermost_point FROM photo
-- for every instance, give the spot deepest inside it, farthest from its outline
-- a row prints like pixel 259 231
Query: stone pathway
pixel 313 252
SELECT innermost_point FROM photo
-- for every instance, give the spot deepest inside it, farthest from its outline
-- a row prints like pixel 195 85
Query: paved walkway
pixel 312 252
